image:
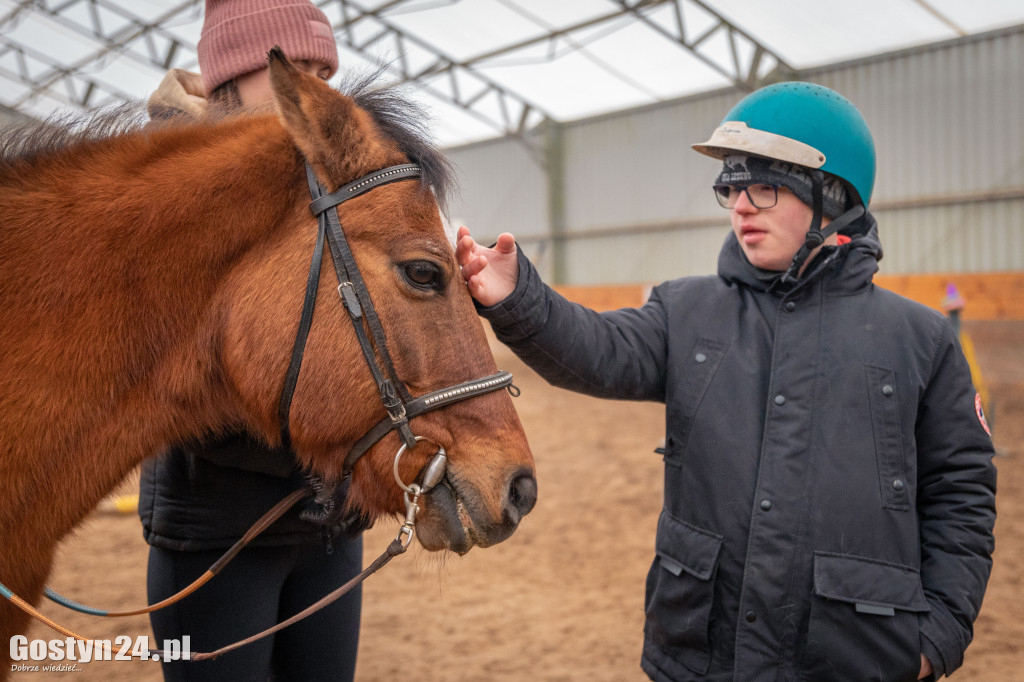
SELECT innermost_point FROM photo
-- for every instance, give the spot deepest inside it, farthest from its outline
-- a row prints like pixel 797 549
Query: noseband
pixel 400 405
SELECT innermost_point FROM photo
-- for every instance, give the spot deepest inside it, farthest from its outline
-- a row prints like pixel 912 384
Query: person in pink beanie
pixel 197 499
pixel 232 50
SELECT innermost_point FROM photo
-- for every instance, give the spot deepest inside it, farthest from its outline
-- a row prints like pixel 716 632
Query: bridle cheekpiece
pixel 400 405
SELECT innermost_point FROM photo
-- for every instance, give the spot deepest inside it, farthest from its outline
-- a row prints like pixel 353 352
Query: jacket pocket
pixel 696 374
pixel 864 620
pixel 680 588
pixel 885 426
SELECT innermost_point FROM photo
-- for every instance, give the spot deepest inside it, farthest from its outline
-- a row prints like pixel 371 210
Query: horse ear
pixel 338 139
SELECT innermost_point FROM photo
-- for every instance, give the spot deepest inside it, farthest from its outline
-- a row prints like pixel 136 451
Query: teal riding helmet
pixel 801 123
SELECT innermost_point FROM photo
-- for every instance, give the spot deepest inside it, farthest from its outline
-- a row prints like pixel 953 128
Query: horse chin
pixel 447 524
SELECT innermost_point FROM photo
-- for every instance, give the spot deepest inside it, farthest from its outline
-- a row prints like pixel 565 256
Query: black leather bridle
pixel 400 405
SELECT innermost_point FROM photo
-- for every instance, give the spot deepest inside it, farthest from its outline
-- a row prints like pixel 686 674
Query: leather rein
pixel 395 396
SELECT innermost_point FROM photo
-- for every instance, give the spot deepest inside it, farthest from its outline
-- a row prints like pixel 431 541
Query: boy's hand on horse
pixel 490 272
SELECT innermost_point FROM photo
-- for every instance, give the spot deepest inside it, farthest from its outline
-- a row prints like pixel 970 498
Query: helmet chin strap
pixel 816 234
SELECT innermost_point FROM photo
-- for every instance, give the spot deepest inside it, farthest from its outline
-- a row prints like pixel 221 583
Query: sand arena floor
pixel 563 598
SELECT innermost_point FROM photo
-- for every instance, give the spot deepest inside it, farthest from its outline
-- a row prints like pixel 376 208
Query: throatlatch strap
pixel 299 347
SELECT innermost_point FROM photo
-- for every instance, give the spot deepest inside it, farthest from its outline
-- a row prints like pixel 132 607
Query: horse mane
pixel 31 141
pixel 399 117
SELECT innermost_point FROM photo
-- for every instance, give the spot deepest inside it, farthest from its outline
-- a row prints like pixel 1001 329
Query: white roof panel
pixel 487 67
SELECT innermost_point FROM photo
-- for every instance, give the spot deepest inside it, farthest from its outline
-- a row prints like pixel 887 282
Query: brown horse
pixel 151 281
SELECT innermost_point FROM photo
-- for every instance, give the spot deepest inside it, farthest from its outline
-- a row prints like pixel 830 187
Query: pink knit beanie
pixel 237 34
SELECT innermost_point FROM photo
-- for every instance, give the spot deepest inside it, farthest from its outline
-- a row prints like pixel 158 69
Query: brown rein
pixel 398 546
pixel 258 527
pixel 261 524
pixel 394 549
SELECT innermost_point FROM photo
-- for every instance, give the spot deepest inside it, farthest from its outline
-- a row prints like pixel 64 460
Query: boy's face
pixel 771 236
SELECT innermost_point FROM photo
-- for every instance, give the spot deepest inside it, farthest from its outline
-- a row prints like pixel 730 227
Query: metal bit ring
pixel 438 460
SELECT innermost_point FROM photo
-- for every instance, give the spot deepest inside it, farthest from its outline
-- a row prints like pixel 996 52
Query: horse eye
pixel 423 274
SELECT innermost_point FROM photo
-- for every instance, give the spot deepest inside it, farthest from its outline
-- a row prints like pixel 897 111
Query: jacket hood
pixel 179 93
pixel 856 262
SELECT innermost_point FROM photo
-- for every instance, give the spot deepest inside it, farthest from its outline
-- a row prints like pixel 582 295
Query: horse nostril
pixel 522 495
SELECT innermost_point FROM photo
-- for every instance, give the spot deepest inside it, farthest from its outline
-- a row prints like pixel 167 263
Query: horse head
pixel 432 331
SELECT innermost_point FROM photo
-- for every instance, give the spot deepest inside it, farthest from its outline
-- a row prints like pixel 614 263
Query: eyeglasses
pixel 761 196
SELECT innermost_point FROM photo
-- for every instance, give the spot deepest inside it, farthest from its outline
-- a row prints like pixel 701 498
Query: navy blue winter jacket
pixel 829 491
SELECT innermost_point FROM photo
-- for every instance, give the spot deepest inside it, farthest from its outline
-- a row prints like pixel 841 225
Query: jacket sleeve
pixel 955 504
pixel 617 354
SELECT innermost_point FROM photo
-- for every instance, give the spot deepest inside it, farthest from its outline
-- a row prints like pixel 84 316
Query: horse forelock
pixel 406 123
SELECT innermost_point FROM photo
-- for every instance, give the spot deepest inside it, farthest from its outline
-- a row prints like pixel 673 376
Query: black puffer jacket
pixel 829 489
pixel 206 496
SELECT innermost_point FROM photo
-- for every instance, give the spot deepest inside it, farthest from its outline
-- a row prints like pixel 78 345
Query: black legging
pixel 259 588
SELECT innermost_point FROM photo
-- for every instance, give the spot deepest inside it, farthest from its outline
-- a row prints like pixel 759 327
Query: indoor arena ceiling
pixel 486 68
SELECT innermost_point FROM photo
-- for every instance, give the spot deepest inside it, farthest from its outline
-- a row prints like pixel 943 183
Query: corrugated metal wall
pixel 949 128
pixel 636 204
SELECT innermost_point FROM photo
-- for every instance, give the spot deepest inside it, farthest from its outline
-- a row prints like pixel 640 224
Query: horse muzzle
pixel 455 517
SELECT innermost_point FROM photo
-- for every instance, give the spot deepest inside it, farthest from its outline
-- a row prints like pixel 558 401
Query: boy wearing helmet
pixel 829 489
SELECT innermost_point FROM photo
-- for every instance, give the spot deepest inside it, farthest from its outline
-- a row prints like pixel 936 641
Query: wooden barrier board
pixel 987 296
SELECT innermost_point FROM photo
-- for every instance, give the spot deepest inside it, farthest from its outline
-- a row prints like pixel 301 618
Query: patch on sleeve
pixel 981 414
